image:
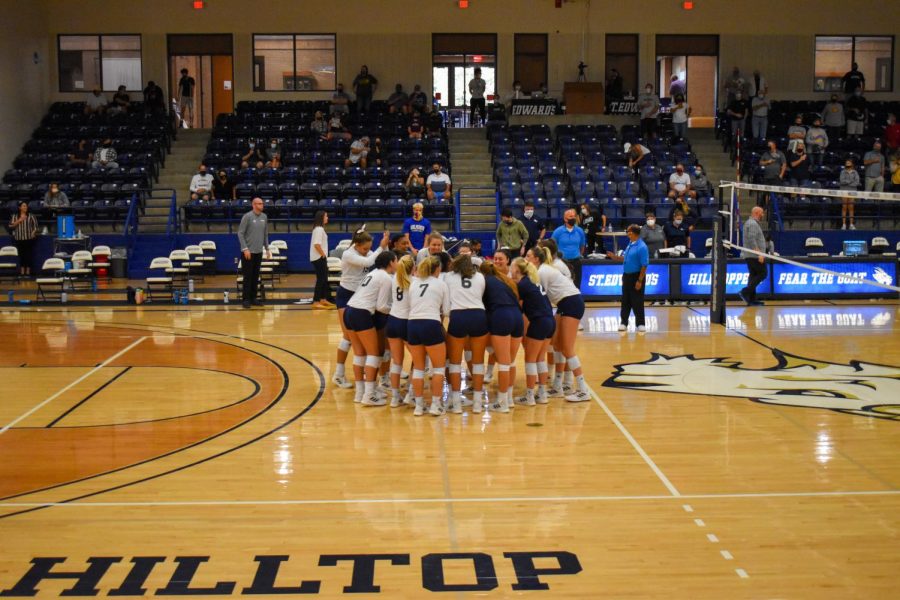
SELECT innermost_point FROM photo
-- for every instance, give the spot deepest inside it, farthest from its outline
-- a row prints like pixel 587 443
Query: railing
pixel 131 224
pixel 173 224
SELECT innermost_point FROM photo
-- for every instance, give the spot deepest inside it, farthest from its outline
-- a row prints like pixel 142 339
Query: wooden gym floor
pixel 181 450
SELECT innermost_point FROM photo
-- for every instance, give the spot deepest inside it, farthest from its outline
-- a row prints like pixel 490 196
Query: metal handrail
pixel 131 224
pixel 173 225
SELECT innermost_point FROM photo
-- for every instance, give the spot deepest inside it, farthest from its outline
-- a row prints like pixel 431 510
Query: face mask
pixel 273 146
pixel 528 213
pixel 252 145
pixel 518 88
pixel 437 171
pixel 679 171
pixel 571 222
pixel 857 93
pixel 651 222
pixel 677 222
pixel 202 172
pixel 585 211
pixel 698 171
pixel 648 90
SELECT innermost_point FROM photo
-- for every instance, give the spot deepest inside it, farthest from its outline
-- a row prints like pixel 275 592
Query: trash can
pixel 118 263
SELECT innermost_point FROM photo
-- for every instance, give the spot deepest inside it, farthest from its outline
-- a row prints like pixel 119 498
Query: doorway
pixel 693 61
pixel 454 60
pixel 208 60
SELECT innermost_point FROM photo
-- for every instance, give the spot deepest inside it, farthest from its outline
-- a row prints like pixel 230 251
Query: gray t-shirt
pixel 833 115
pixel 654 237
pixel 253 232
pixel 753 238
pixel 875 169
pixel 649 105
pixel 773 169
pixel 476 88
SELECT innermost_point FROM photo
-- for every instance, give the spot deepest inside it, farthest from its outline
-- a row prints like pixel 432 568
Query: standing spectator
pixel 636 153
pixel 679 182
pixel 817 142
pixel 55 198
pixel 653 235
pixel 319 126
pixel 398 102
pixel 892 134
pixel 340 101
pixel 635 259
pixel 857 111
pixel 737 112
pixel 848 181
pixel 476 103
pixel 774 165
pixel 687 214
pixel 677 232
pixel 201 184
pixel 874 163
pixel 223 187
pixel 734 85
pixel 415 184
pixel 759 85
pixel 318 256
pixel 648 103
pixel 799 162
pixel 754 240
pixel 186 87
pixel 24 230
pixel 536 227
pixel 681 112
pixel 82 156
pixel 438 184
pixel 418 100
pixel 416 228
pixel 570 240
pixel 359 151
pixel 253 235
pixel 760 121
pixel 364 86
pixel 121 102
pixel 416 127
pixel 700 187
pixel 676 87
pixel 95 103
pixel 615 89
pixel 853 80
pixel 105 156
pixel 511 233
pixel 833 116
pixel 796 133
pixel 593 221
pixel 154 100
pixel 254 157
pixel 337 129
pixel 895 172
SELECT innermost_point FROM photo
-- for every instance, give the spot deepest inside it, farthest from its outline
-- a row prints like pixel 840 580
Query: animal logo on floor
pixel 855 388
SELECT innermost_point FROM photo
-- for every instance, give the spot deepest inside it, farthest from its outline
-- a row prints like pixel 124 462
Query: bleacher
pixel 99 196
pixel 313 176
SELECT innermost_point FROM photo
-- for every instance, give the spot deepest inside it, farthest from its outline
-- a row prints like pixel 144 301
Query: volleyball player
pixel 396 331
pixel 434 245
pixel 501 259
pixel 558 262
pixel 501 299
pixel 555 356
pixel 429 302
pixel 356 260
pixel 541 327
pixel 468 323
pixel 569 310
pixel 365 314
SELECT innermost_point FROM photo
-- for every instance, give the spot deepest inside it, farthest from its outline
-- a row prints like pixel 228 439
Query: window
pixel 104 61
pixel 622 55
pixel 836 53
pixel 531 60
pixel 288 62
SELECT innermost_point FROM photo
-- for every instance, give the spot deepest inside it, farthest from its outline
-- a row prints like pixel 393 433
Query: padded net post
pixel 719 268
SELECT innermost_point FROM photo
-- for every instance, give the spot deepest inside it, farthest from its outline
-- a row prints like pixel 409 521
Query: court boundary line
pixel 105 363
pixel 78 404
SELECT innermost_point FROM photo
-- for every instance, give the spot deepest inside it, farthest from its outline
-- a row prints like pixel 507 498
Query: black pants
pixel 632 299
pixel 250 270
pixel 575 267
pixel 477 104
pixel 758 272
pixel 363 103
pixel 26 253
pixel 648 128
pixel 322 291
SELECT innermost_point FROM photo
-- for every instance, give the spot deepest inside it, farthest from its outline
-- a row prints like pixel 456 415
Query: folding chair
pixel 80 272
pixel 9 263
pixel 52 279
pixel 160 276
pixel 195 262
pixel 100 262
pixel 209 256
pixel 180 270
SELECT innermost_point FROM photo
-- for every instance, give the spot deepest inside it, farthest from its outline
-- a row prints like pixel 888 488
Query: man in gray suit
pixel 754 240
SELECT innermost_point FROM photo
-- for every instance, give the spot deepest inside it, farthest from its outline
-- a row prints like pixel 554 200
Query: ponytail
pixel 404 269
pixel 464 266
pixel 428 266
pixel 361 237
pixel 488 269
pixel 527 269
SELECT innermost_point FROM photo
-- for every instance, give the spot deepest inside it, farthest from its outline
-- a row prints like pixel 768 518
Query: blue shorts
pixel 541 328
pixel 358 319
pixel 342 297
pixel 424 332
pixel 571 306
pixel 507 321
pixel 396 328
pixel 468 322
pixel 380 319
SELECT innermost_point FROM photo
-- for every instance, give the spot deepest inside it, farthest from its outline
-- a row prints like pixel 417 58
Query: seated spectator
pixel 121 102
pixel 679 183
pixel 254 157
pixel 54 198
pixel 799 162
pixel 796 133
pixel 415 184
pixel 438 184
pixel 418 100
pixel 340 101
pixel 849 181
pixel 700 186
pixel 82 156
pixel 274 152
pixel 359 151
pixel 774 165
pixel 433 124
pixel 154 99
pixel 833 116
pixel 319 126
pixel 416 128
pixel 337 129
pixel 676 232
pixel 105 156
pixel 377 154
pixel 857 110
pixel 96 103
pixel 201 185
pixel 223 187
pixel 687 213
pixel 653 235
pixel 817 142
pixel 398 102
pixel 636 154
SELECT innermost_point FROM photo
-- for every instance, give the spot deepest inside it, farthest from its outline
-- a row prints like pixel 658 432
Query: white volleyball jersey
pixel 465 292
pixel 429 299
pixel 399 300
pixel 557 285
pixel 561 266
pixel 374 292
pixel 354 267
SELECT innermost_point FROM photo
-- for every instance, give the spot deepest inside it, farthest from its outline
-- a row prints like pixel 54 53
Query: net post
pixel 719 268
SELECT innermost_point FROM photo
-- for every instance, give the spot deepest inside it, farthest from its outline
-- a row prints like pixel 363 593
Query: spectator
pixel 254 157
pixel 82 156
pixel 737 112
pixel 636 153
pixel 759 85
pixel 517 93
pixel 340 101
pixel 796 133
pixel 511 233
pixel 536 228
pixel 874 164
pixel 700 186
pixel 817 142
pixel 895 172
pixel 418 100
pixel 223 187
pixel 121 102
pixel 892 134
pixel 95 103
pixel 438 184
pixel 274 153
pixel 676 232
pixel 24 230
pixel 774 166
pixel 679 182
pixel 415 184
pixel 760 120
pixel 676 87
pixel 364 86
pixel 848 181
pixel 377 153
pixel 688 214
pixel 337 129
pixel 105 156
pixel 615 88
pixel 570 240
pixel 433 124
pixel 857 111
pixel 833 116
pixel 476 102
pixel 398 102
pixel 416 128
pixel 359 152
pixel 648 103
pixel 541 91
pixel 593 221
pixel 416 228
pixel 319 126
pixel 653 235
pixel 201 185
pixel 186 87
pixel 154 100
pixel 799 161
pixel 681 112
pixel 55 198
pixel 734 85
pixel 853 80
pixel 318 256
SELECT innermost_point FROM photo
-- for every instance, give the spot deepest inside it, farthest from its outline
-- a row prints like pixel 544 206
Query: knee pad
pixel 454 368
pixel 467 354
pixel 531 368
pixel 437 371
pixel 418 374
pixel 478 369
pixel 344 346
pixel 373 361
pixel 359 361
pixel 502 368
pixel 396 369
pixel 558 357
pixel 542 367
pixel 573 362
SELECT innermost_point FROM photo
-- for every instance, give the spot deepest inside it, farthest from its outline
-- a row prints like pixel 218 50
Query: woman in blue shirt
pixel 635 259
pixel 571 240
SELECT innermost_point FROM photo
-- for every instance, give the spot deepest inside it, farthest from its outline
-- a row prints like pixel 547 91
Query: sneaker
pixel 525 400
pixel 757 303
pixel 744 297
pixel 456 407
pixel 357 399
pixel 488 377
pixel 578 396
pixel 542 399
pixel 554 392
pixel 623 327
pixel 852 227
pixel 373 400
pixel 500 407
pixel 341 382
pixel 844 227
pixel 409 400
pixel 404 375
pixel 436 409
pixel 395 402
pixel 567 389
pixel 642 329
pixel 420 409
pixel 463 401
pixel 476 405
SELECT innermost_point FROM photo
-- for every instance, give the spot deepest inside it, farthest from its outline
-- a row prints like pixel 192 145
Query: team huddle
pixel 390 303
